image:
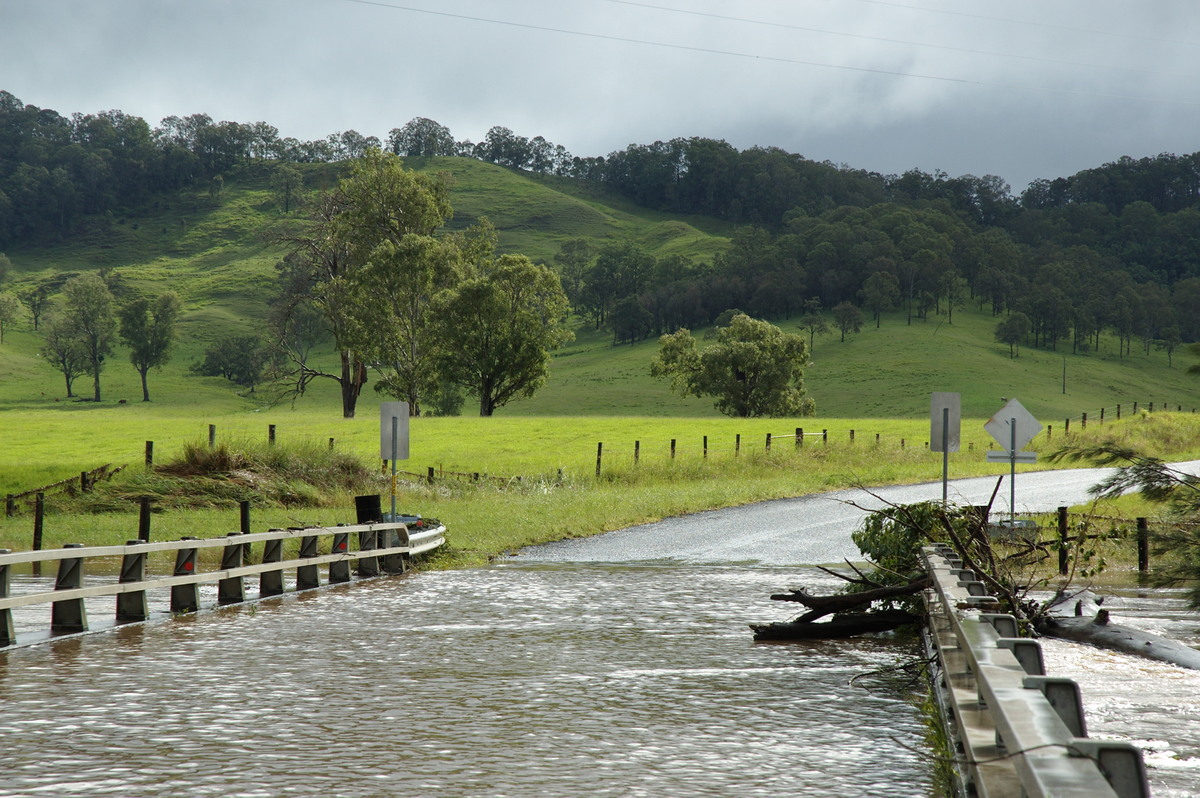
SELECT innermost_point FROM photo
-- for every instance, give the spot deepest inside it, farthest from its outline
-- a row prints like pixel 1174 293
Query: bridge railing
pixel 375 548
pixel 1015 730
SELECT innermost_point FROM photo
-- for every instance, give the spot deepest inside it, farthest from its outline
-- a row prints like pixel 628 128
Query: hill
pixel 209 246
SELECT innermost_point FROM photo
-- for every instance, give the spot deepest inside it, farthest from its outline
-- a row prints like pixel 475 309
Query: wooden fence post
pixel 799 437
pixel 10 505
pixel 39 519
pixel 1143 546
pixel 825 437
pixel 852 436
pixel 144 518
pixel 705 447
pixel 1062 541
pixel 737 444
pixel 212 436
pixel 672 448
pixel 768 442
pixel 270 434
pixel 1102 415
pixel 1083 421
pixel 149 454
pixel 1067 427
pixel 637 452
pixel 599 456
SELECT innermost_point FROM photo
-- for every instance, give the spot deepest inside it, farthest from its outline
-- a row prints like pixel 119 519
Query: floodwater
pixel 523 679
pixel 614 666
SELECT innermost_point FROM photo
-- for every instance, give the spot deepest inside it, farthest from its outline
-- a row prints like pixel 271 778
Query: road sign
pixel 1009 457
pixel 1013 426
pixel 945 421
pixel 393 415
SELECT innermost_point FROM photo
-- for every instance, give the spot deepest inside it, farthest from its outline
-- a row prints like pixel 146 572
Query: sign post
pixel 1012 427
pixel 945 421
pixel 393 438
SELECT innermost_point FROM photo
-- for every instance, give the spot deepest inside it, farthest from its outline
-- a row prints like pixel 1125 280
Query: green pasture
pixel 558 495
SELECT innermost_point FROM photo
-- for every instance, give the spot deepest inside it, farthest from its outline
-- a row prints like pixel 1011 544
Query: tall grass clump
pixel 294 475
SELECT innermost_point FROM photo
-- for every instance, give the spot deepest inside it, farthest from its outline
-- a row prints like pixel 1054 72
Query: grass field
pixel 876 383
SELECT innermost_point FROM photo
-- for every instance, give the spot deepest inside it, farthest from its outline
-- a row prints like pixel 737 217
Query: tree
pixel 1012 331
pixel 62 350
pixel 500 327
pixel 848 318
pixel 421 137
pixel 89 311
pixel 353 264
pixel 754 369
pixel 10 312
pixel 287 183
pixel 238 358
pixel 880 293
pixel 813 322
pixel 37 300
pixel 148 329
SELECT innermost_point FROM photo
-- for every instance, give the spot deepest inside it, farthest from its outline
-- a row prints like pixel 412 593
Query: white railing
pixel 383 548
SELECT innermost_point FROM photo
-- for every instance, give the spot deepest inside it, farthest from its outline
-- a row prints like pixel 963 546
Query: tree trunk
pixel 1102 634
pixel 96 385
pixel 145 389
pixel 354 377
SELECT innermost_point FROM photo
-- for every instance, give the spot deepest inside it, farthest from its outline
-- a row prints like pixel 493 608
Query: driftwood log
pixel 846 622
pixel 1100 632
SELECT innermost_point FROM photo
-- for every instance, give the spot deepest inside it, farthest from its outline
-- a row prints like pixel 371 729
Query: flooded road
pixel 613 666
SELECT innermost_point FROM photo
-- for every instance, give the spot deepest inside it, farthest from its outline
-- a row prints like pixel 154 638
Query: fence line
pixel 84 482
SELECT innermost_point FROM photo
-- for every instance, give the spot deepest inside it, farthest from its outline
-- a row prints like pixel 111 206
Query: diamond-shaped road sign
pixel 1013 416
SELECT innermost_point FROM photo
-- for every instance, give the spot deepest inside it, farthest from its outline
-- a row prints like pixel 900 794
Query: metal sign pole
pixel 395 430
pixel 1012 478
pixel 945 454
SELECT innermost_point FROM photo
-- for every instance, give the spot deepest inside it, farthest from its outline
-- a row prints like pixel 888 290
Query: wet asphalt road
pixel 810 530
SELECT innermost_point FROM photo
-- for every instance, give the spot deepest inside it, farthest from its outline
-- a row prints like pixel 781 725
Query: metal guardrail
pixel 381 549
pixel 1015 731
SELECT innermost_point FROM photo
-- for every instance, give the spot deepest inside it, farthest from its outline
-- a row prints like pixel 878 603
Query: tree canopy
pixel 753 369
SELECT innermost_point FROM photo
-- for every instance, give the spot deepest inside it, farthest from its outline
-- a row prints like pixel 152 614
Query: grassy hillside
pixel 211 250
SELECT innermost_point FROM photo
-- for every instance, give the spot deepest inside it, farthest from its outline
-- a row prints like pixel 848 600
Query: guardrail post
pixel 1028 653
pixel 186 597
pixel 1064 696
pixel 244 517
pixel 8 634
pixel 69 615
pixel 1005 625
pixel 1120 762
pixel 270 583
pixel 306 575
pixel 232 590
pixel 131 607
pixel 367 566
pixel 340 571
pixel 393 563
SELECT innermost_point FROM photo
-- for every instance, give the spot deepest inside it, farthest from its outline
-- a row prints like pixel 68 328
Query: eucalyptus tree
pixel 90 311
pixel 63 350
pixel 500 325
pixel 148 329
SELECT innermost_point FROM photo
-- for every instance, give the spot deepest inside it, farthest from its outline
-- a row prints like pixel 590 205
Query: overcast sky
pixel 1022 89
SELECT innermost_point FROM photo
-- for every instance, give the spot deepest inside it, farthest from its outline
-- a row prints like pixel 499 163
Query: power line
pixel 767 58
pixel 907 43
